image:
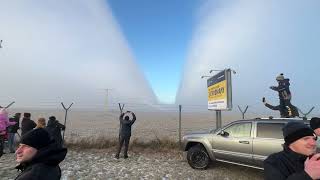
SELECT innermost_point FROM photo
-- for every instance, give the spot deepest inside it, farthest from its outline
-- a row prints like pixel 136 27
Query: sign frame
pixel 219 89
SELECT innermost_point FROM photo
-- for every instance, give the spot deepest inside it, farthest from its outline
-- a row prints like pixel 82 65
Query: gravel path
pixel 100 164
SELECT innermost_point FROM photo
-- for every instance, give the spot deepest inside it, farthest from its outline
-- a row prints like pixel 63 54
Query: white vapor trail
pixel 66 51
pixel 258 39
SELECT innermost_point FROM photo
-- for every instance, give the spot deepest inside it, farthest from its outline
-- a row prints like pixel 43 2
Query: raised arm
pixel 121 117
pixel 133 118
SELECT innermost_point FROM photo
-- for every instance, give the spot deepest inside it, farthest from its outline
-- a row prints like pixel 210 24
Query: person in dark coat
pixel 27 124
pixel 38 157
pixel 125 133
pixel 285 111
pixel 285 107
pixel 295 161
pixel 54 128
pixel 315 125
pixel 282 89
pixel 12 130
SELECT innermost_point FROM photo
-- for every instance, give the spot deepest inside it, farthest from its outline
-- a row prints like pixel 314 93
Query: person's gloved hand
pixel 273 87
pixel 264 100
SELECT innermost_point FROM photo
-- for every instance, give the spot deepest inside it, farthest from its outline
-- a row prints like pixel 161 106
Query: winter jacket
pixel 14 128
pixel 4 121
pixel 285 111
pixel 125 129
pixel 54 129
pixel 285 165
pixel 44 165
pixel 27 125
pixel 283 89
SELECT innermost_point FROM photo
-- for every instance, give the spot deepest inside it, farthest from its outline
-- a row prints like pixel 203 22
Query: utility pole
pixel 107 97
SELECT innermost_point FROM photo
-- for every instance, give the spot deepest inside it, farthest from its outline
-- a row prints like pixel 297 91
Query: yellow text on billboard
pixel 217 91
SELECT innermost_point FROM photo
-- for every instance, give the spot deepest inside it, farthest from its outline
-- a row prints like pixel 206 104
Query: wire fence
pixel 154 121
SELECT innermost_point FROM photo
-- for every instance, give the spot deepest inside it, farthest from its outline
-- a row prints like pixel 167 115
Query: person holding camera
pixel 125 132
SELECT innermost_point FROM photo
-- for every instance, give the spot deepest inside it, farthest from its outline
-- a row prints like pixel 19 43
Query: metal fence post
pixel 180 108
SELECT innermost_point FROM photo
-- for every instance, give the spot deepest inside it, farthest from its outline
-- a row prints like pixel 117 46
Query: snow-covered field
pixel 147 164
pixel 100 164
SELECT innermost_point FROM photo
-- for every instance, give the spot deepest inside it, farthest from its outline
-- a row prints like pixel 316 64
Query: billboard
pixel 220 91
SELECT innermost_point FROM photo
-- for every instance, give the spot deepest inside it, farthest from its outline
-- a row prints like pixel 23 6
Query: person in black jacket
pixel 295 161
pixel 285 107
pixel 125 133
pixel 27 124
pixel 12 130
pixel 283 89
pixel 38 157
pixel 286 111
pixel 54 128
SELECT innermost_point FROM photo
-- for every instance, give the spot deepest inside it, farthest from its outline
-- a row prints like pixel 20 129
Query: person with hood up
pixel 297 160
pixel 54 128
pixel 4 120
pixel 12 130
pixel 27 124
pixel 39 157
pixel 4 123
pixel 125 133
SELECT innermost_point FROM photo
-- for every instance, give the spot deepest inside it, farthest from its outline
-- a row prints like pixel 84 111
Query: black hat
pixel 293 131
pixel 17 114
pixel 315 123
pixel 37 138
pixel 27 115
pixel 52 118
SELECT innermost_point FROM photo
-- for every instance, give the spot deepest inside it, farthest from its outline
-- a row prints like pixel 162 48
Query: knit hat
pixel 27 115
pixel 315 123
pixel 293 131
pixel 52 118
pixel 37 138
pixel 280 77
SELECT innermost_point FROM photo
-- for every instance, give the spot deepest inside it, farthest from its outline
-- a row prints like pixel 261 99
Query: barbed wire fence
pixel 154 121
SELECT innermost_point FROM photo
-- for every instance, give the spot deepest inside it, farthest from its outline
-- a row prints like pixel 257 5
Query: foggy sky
pixel 67 51
pixel 259 40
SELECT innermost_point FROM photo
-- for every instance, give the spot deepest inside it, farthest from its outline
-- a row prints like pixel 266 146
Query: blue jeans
pixel 11 142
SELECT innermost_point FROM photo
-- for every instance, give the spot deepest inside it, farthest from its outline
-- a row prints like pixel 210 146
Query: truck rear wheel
pixel 198 157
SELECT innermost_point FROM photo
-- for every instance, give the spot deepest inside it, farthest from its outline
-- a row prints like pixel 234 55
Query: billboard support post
pixel 218 119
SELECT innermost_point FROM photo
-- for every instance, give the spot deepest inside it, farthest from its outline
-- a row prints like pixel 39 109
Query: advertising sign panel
pixel 220 91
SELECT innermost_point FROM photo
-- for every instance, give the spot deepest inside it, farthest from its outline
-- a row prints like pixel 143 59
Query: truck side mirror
pixel 224 134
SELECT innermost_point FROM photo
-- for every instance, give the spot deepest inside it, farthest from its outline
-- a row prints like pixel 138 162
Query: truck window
pixel 239 130
pixel 270 130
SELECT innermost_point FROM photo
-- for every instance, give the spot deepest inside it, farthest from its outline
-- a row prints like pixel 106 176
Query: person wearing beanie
pixel 297 160
pixel 285 107
pixel 38 157
pixel 315 125
pixel 27 124
pixel 54 128
pixel 12 130
pixel 282 88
